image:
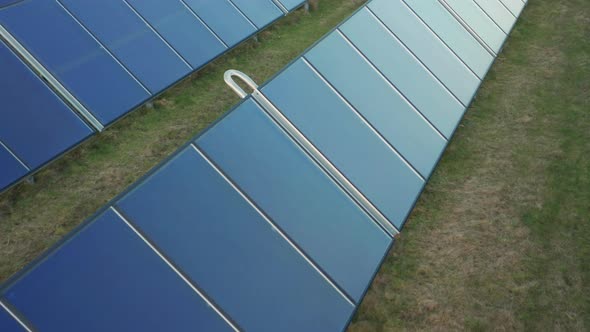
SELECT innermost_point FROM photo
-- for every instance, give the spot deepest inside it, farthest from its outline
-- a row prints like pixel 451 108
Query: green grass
pixel 500 239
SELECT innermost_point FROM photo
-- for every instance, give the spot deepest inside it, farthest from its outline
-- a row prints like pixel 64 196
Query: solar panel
pixel 425 45
pixel 496 10
pixel 131 41
pixel 379 102
pixel 291 4
pixel 79 62
pixel 453 34
pixel 303 200
pixel 101 68
pixel 12 168
pixel 224 19
pixel 260 12
pixel 8 322
pixel 226 246
pixel 278 216
pixel 472 15
pixel 342 136
pixel 182 29
pixel 34 122
pixel 400 67
pixel 515 6
pixel 105 278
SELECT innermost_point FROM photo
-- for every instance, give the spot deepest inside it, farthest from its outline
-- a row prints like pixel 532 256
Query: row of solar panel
pixel 244 228
pixel 109 66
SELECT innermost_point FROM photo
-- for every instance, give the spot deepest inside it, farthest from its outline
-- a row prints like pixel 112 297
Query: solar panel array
pixel 278 216
pixel 84 64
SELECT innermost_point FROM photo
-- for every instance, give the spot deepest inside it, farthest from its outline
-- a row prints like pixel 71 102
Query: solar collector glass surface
pixel 427 94
pixel 298 196
pixel 453 34
pixel 224 19
pixel 477 19
pixel 133 42
pixel 340 134
pixel 182 29
pixel 498 13
pixel 515 6
pixel 8 323
pixel 291 4
pixel 429 49
pixel 106 278
pixel 64 48
pixel 12 169
pixel 232 253
pixel 378 101
pixel 34 122
pixel 260 12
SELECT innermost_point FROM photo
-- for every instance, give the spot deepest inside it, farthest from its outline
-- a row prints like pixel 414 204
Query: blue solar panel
pixel 222 243
pixel 34 122
pixel 481 23
pixel 378 101
pixel 182 29
pixel 74 58
pixel 334 128
pixel 131 41
pixel 499 13
pixel 433 53
pixel 107 279
pixel 109 66
pixel 291 4
pixel 8 323
pixel 224 19
pixel 515 6
pixel 260 12
pixel 297 195
pixel 12 169
pixel 4 3
pixel 429 96
pixel 453 34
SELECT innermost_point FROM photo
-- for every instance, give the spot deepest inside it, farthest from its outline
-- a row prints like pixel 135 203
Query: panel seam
pixel 405 98
pixel 440 38
pixel 174 268
pixel 204 23
pixel 149 25
pixel 103 46
pixel 270 221
pixel 408 50
pixel 361 117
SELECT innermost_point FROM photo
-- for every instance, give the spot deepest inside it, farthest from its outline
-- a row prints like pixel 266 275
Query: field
pixel 500 239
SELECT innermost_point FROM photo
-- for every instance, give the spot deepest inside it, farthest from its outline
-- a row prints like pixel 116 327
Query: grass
pixel 500 240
